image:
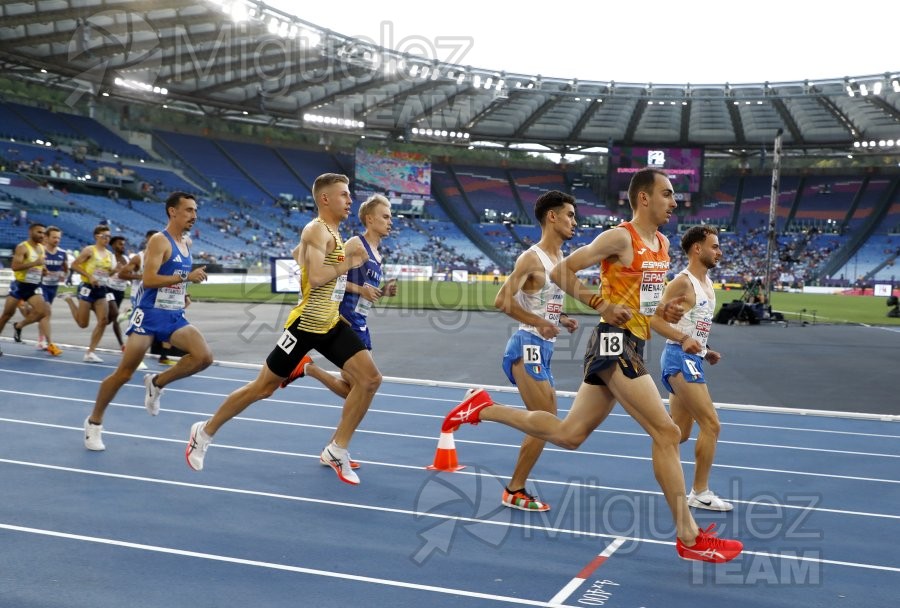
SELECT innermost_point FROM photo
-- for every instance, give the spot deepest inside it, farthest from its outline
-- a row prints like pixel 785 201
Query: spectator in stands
pixel 28 266
pixel 314 323
pixel 531 298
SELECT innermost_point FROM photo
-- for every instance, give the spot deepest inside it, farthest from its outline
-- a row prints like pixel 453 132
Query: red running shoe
pixel 710 548
pixel 298 372
pixel 467 412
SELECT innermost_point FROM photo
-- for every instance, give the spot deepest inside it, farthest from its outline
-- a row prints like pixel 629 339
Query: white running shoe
pixel 90 357
pixel 93 436
pixel 152 395
pixel 709 501
pixel 197 444
pixel 42 343
pixel 142 366
pixel 339 460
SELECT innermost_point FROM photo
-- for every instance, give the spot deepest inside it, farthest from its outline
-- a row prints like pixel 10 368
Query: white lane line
pixel 419 514
pixel 770 409
pixel 273 566
pixel 574 453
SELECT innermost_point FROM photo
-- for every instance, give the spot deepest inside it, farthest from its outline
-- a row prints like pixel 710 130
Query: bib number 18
pixel 610 345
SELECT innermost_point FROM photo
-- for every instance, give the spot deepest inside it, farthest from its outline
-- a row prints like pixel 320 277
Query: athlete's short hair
pixel 368 207
pixel 116 239
pixel 325 180
pixel 550 200
pixel 175 198
pixel 642 181
pixel 100 228
pixel 696 234
pixel 53 229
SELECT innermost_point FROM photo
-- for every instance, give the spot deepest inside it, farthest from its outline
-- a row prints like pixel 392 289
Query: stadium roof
pixel 246 61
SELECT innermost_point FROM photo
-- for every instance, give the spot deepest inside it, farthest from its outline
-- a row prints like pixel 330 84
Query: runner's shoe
pixel 353 463
pixel 42 343
pixel 17 332
pixel 93 436
pixel 54 350
pixel 523 501
pixel 708 500
pixel 197 446
pixel 151 395
pixel 339 460
pixel 90 357
pixel 298 372
pixel 710 548
pixel 467 412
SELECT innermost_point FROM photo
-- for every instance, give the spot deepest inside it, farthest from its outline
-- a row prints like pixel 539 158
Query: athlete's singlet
pixel 354 307
pixel 99 265
pixel 318 309
pixel 32 275
pixel 639 286
pixel 54 264
pixel 172 297
pixel 547 302
pixel 697 322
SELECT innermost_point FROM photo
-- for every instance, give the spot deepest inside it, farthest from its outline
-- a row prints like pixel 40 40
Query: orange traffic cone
pixel 445 456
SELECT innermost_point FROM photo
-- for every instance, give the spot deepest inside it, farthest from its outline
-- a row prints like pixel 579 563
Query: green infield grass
pixel 823 308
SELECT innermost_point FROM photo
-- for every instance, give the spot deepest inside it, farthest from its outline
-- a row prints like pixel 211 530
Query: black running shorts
pixel 337 345
pixel 610 345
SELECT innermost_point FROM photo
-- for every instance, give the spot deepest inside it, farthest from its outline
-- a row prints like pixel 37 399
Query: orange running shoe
pixel 54 350
pixel 298 372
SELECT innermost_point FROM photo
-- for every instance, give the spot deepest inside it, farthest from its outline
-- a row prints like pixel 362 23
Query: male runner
pixel 28 268
pixel 633 258
pixel 682 359
pixel 56 268
pixel 363 290
pixel 314 323
pixel 95 263
pixel 159 315
pixel 532 299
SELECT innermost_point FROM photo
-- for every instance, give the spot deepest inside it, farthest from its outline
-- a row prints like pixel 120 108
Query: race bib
pixel 101 275
pixel 84 290
pixel 170 298
pixel 363 306
pixel 531 354
pixel 610 344
pixel 137 318
pixel 554 310
pixel 52 278
pixel 340 286
pixel 118 284
pixel 287 342
pixel 33 275
pixel 652 284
